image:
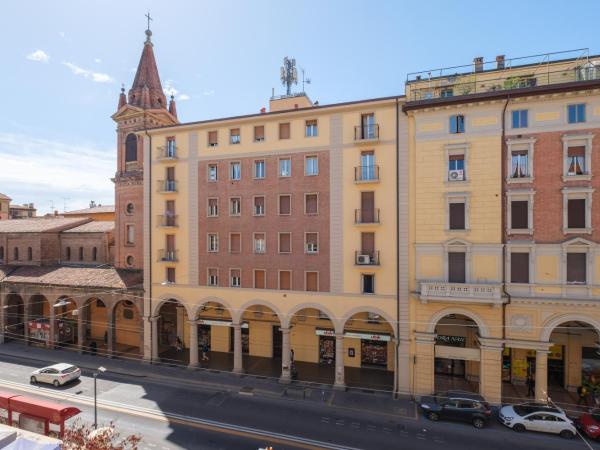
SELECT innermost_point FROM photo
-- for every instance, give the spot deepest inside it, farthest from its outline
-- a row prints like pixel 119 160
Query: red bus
pixel 38 416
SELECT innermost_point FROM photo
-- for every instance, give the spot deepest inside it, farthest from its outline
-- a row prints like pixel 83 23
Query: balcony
pixel 366 132
pixel 167 186
pixel 168 255
pixel 366 216
pixel 166 153
pixel 366 174
pixel 132 166
pixel 441 291
pixel 366 258
pixel 167 220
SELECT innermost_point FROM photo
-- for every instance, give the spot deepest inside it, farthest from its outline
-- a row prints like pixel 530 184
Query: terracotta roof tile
pixel 93 227
pixel 94 210
pixel 40 224
pixel 4 196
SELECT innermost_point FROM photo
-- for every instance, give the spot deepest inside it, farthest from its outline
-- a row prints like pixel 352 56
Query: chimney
pixel 500 62
pixel 263 110
pixel 478 63
pixel 418 77
pixel 56 212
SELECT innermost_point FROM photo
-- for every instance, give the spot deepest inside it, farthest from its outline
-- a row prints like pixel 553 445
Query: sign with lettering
pixel 455 341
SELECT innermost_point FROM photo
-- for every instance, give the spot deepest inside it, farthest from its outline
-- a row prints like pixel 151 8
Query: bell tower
pixel 144 107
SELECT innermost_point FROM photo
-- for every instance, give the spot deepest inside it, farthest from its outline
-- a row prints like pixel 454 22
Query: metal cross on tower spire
pixel 149 19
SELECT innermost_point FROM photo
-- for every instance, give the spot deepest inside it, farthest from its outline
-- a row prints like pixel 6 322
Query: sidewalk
pixel 243 384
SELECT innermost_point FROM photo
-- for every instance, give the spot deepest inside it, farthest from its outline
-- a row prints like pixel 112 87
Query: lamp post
pixel 100 369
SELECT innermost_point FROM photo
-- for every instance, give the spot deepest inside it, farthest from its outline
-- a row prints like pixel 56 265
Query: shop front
pixel 326 347
pixel 373 348
pixel 518 363
pixel 454 367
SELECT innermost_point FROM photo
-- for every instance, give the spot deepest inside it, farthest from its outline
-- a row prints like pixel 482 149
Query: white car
pixel 537 418
pixel 57 375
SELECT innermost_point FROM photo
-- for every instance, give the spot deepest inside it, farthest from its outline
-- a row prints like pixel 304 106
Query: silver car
pixel 57 375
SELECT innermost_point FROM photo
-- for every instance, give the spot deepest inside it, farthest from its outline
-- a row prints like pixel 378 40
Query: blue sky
pixel 63 63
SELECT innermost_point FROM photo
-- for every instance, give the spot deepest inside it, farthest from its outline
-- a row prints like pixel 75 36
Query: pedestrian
pixel 205 351
pixel 106 338
pixel 530 385
pixel 292 356
pixel 582 392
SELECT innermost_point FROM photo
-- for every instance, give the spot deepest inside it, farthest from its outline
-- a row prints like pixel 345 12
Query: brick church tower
pixel 144 107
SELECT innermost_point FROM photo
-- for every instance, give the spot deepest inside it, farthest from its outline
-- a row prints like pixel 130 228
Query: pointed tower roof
pixel 147 77
pixel 122 98
pixel 173 107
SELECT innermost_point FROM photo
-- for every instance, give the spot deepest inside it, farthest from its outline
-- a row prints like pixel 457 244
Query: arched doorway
pixel 172 333
pixel 215 344
pixel 14 317
pixel 128 329
pixel 94 326
pixel 262 341
pixel 369 351
pixel 457 354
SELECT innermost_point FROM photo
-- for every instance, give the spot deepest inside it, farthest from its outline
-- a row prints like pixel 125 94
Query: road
pixel 178 417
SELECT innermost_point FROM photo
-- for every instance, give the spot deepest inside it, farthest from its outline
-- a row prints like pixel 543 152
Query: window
pixel 235 243
pixel 170 275
pixel 311 203
pixel 456 267
pixel 29 254
pixel 171 148
pixel 457 124
pixel 131 148
pixel 80 253
pixel 129 209
pixel 235 170
pixel 311 166
pixel 235 278
pixel 234 136
pixel 311 128
pixel 576 268
pixel 368 128
pixel 235 206
pixel 576 213
pixel 285 280
pixel 213 207
pixel 446 92
pixel 519 210
pixel 130 230
pixel 285 205
pixel 213 276
pixel 259 168
pixel 259 206
pixel 519 164
pixel 368 283
pixel 457 216
pixel 129 261
pixel 260 279
pixel 67 253
pixel 285 243
pixel 311 242
pixel 519 118
pixel 170 185
pixel 519 267
pixel 456 167
pixel 284 130
pixel 367 213
pixel 260 243
pixel 212 139
pixel 576 113
pixel 213 242
pixel 311 282
pixel 576 161
pixel 259 133
pixel 212 172
pixel 94 254
pixel 285 167
pixel 367 166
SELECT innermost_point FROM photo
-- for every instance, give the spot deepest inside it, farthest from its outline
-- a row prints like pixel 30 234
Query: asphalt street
pixel 164 415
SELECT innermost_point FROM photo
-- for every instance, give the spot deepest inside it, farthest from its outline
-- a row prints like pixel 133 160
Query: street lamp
pixel 100 369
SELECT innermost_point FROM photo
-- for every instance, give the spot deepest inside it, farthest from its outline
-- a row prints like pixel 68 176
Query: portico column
pixel 541 375
pixel 110 333
pixel 193 343
pixel 26 306
pixel 490 371
pixel 423 377
pixel 80 331
pixel 237 348
pixel 51 339
pixel 3 303
pixel 154 322
pixel 286 357
pixel 339 362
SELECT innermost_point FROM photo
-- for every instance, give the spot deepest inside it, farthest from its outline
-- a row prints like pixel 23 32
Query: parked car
pixel 457 405
pixel 536 417
pixel 589 423
pixel 57 375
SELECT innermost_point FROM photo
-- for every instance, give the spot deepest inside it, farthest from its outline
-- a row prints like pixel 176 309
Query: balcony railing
pixel 461 292
pixel 365 216
pixel 168 255
pixel 167 186
pixel 167 220
pixel 366 174
pixel 366 132
pixel 366 258
pixel 167 152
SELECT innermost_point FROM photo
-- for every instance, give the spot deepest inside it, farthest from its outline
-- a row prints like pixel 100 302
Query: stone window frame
pixel 129 261
pixel 229 243
pixel 264 197
pixel 520 195
pixel 306 158
pixel 208 178
pixel 574 193
pixel 231 163
pixel 520 247
pixel 129 226
pixel 208 283
pixel 229 206
pixel 527 144
pixel 264 233
pixel 461 148
pixel 208 213
pixel 306 272
pixel 264 271
pixel 254 162
pixel 318 243
pixel 232 140
pixel 579 245
pixel 306 194
pixel 577 140
pixel 362 283
pixel 279 204
pixel 458 246
pixel 208 246
pixel 283 158
pixel 457 197
pixel 231 277
pixel 291 272
pixel 279 233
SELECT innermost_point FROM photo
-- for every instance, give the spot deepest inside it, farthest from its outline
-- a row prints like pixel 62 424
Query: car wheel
pixel 33 380
pixel 567 434
pixel 478 422
pixel 519 428
pixel 56 383
pixel 433 416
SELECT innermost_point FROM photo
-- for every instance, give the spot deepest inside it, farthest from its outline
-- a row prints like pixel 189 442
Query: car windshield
pixel 69 369
pixel 525 409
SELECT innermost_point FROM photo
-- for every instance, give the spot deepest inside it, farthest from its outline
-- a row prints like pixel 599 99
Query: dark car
pixel 457 405
pixel 589 423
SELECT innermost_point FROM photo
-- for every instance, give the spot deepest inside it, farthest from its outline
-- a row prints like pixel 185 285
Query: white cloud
pixel 209 92
pixel 169 89
pixel 39 55
pixel 97 60
pixel 98 77
pixel 183 97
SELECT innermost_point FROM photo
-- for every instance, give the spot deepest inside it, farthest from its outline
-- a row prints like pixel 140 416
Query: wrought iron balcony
pixel 366 216
pixel 167 220
pixel 366 174
pixel 461 292
pixel 167 186
pixel 366 258
pixel 366 132
pixel 168 255
pixel 167 152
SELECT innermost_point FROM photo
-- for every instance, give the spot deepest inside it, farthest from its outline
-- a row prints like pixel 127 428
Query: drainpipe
pixel 149 168
pixel 397 363
pixel 504 215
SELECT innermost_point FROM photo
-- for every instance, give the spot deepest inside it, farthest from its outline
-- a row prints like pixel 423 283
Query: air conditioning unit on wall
pixel 456 175
pixel 363 259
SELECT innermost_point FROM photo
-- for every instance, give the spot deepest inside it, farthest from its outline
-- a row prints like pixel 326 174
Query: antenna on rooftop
pixel 307 80
pixel 289 74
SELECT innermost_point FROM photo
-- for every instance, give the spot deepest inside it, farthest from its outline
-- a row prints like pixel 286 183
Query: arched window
pixel 129 209
pixel 131 148
pixel 94 254
pixel 29 254
pixel 16 253
pixel 68 253
pixel 80 253
pixel 1 252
